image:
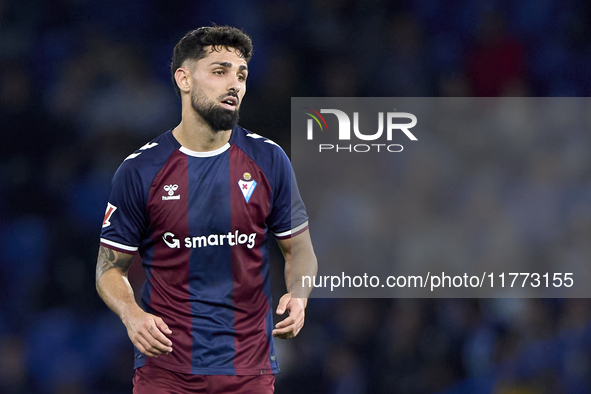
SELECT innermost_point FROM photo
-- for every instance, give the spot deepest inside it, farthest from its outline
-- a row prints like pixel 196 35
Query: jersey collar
pixel 211 153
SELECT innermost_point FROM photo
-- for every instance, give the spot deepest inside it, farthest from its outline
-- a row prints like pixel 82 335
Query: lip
pixel 229 102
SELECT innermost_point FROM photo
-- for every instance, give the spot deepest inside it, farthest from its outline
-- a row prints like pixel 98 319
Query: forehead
pixel 221 54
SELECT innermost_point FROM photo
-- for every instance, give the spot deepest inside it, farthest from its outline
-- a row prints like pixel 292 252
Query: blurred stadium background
pixel 84 83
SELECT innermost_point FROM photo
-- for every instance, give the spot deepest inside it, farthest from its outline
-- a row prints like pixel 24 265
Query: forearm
pixel 115 290
pixel 304 265
pixel 300 261
pixel 112 284
pixel 146 331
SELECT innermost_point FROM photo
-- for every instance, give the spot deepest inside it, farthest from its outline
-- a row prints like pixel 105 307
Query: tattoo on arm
pixel 109 259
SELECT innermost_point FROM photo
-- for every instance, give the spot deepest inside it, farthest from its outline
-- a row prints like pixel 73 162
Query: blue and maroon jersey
pixel 201 222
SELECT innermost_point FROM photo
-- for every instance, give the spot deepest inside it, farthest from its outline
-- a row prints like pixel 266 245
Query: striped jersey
pixel 201 222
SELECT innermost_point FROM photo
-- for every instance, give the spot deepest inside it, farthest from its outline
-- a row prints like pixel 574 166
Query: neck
pixel 195 134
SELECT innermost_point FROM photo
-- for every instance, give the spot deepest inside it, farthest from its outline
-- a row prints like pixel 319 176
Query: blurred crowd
pixel 84 83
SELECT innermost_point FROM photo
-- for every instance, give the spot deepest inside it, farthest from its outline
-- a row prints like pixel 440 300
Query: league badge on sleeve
pixel 247 185
pixel 110 210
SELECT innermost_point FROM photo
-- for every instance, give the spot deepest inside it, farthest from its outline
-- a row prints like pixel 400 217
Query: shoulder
pixel 160 147
pixel 258 147
pixel 146 161
pixel 156 151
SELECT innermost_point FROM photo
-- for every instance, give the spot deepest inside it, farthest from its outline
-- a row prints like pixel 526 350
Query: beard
pixel 217 118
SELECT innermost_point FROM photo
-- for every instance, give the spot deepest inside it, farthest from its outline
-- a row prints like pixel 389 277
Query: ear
pixel 183 79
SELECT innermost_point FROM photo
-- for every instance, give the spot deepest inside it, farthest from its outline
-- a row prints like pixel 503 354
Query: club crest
pixel 247 185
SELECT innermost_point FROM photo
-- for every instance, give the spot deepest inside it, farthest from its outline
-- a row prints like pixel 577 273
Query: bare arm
pixel 300 260
pixel 145 330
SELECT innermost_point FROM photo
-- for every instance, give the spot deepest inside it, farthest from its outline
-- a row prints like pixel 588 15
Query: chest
pixel 209 195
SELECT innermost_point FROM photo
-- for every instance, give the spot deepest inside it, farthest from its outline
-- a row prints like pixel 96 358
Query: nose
pixel 234 88
pixel 234 85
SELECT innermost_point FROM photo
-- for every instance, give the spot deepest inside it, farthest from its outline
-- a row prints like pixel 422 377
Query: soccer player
pixel 198 203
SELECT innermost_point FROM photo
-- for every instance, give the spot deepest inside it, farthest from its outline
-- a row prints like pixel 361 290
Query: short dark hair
pixel 192 44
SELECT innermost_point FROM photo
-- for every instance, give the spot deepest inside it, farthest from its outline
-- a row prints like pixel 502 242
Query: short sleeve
pixel 125 218
pixel 288 213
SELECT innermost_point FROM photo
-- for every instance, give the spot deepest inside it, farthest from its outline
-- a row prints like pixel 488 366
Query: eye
pixel 241 77
pixel 219 72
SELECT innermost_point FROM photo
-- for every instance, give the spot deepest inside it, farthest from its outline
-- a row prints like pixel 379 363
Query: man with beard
pixel 197 204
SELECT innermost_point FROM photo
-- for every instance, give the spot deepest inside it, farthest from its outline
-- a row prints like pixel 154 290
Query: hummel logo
pixel 171 189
